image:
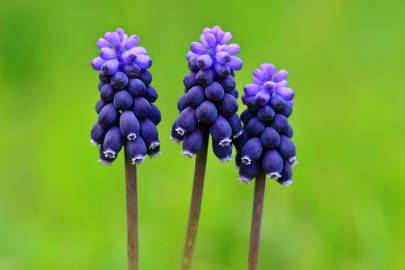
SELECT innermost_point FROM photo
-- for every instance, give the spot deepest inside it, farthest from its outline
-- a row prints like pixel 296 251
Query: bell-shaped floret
pixel 221 131
pixel 129 125
pixel 112 143
pixel 136 150
pixel 251 150
pixel 193 142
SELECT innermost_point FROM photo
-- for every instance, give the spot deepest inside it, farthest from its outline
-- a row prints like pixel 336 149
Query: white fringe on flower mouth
pixel 154 144
pixel 131 137
pixel 93 142
pixel 287 183
pixel 237 135
pixel 274 175
pixel 180 131
pixel 108 153
pixel 188 153
pixel 244 180
pixel 174 139
pixel 225 142
pixel 138 159
pixel 105 162
pixel 246 160
pixel 225 159
pixel 293 161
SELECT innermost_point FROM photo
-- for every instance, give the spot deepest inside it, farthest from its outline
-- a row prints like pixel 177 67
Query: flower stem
pixel 195 207
pixel 132 214
pixel 260 184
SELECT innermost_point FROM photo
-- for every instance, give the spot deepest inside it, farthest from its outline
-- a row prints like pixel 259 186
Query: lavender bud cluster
pixel 126 113
pixel 266 141
pixel 210 97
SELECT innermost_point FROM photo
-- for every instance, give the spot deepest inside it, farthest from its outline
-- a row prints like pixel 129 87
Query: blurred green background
pixel 61 209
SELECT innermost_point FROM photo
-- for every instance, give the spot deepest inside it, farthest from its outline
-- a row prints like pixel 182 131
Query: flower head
pixel 209 103
pixel 266 141
pixel 126 115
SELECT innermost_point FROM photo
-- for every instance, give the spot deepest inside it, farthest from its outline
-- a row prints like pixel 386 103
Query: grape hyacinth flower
pixel 127 117
pixel 208 107
pixel 265 148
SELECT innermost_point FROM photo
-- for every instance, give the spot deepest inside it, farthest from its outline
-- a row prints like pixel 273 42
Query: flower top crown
pixel 213 51
pixel 117 50
pixel 267 82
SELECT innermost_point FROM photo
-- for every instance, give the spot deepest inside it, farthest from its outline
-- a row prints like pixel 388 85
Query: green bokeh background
pixel 60 209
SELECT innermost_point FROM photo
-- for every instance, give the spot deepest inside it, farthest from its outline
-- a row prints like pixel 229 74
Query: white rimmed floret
pixel 188 153
pixel 293 161
pixel 138 159
pixel 287 183
pixel 108 153
pixel 246 160
pixel 274 175
pixel 154 144
pixel 225 142
pixel 131 136
pixel 180 131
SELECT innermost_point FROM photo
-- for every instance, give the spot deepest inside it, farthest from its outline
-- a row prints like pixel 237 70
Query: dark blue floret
pixel 228 84
pixel 132 70
pixel 181 103
pixel 129 125
pixel 123 100
pixel 193 142
pixel 151 94
pixel 97 134
pixel 187 121
pixel 141 107
pixel 228 105
pixel 207 112
pixel 136 150
pixel 137 88
pixel 149 134
pixel 112 143
pixel 154 114
pixel 251 150
pixel 146 77
pixel 248 172
pixel 119 80
pixel 107 93
pixel 221 131
pixel 204 77
pixel 99 105
pixel 189 80
pixel 108 116
pixel 214 91
pixel 272 164
pixel 270 138
pixel 255 127
pixel 224 153
pixel 236 125
pixel 266 114
pixel 195 96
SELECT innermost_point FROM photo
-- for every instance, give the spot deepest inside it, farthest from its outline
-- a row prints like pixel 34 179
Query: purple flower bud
pixel 262 98
pixel 287 110
pixel 280 75
pixel 136 150
pixel 221 131
pixel 187 121
pixel 192 65
pixel 132 70
pixel 246 116
pixel 189 80
pixel 285 92
pixel 286 175
pixel 249 171
pixel 235 94
pixel 236 125
pixel 112 143
pixel 251 150
pixel 224 153
pixel 104 78
pixel 252 89
pixel 205 77
pixel 232 48
pixel 214 91
pixel 193 142
pixel 99 105
pixel 129 125
pixel 141 107
pixel 277 103
pixel 97 134
pixel 175 136
pixel 123 100
pixel 149 133
pixel 204 61
pixel 119 80
pixel 222 57
pixel 101 43
pixel 143 61
pixel 272 164
pixel 107 93
pixel 270 138
pixel 137 88
pixel 132 42
pixel 222 70
pixel 255 127
pixel 266 114
pixel 280 123
pixel 97 63
pixel 287 150
pixel 154 115
pixel 100 85
pixel 110 66
pixel 195 96
pixel 289 133
pixel 228 105
pixel 181 103
pixel 113 38
pixel 228 84
pixel 146 77
pixel 198 48
pixel 107 53
pixel 151 94
pixel 235 63
pixel 206 112
pixel 108 116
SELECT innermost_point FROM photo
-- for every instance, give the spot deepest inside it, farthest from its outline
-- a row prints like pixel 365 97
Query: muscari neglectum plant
pixel 208 107
pixel 265 146
pixel 127 116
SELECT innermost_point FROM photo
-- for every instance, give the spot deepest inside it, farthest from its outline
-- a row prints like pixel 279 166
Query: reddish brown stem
pixel 195 207
pixel 132 214
pixel 260 184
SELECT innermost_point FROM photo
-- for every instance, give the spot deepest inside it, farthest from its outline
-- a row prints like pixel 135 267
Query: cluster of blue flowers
pixel 266 141
pixel 209 103
pixel 126 113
